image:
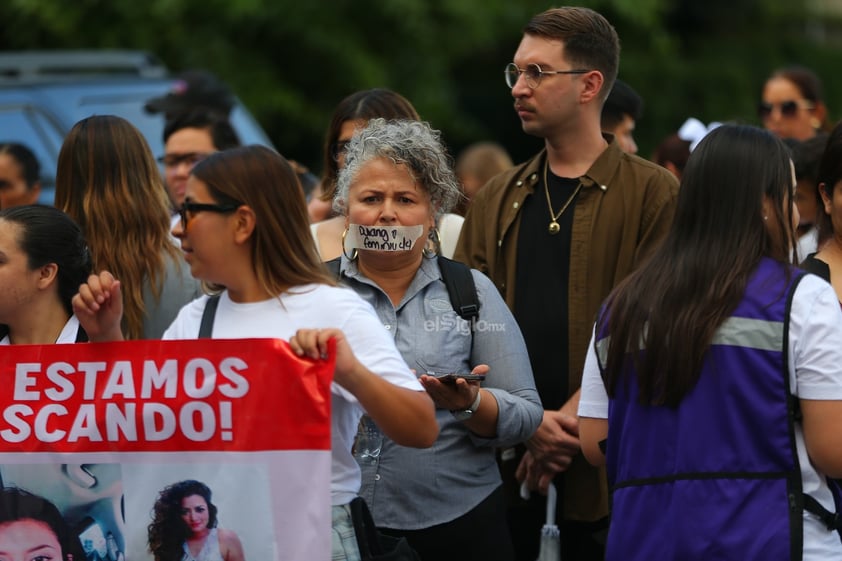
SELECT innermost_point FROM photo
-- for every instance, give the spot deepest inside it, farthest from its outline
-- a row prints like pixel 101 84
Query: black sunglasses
pixel 787 108
pixel 192 208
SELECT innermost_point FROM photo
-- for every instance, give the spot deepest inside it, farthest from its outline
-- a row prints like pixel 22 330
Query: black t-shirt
pixel 543 267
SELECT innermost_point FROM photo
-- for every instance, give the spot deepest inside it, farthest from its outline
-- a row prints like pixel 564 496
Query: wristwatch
pixel 465 414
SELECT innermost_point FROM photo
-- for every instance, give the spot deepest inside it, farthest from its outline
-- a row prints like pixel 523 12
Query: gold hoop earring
pixel 355 253
pixel 435 239
pixel 815 123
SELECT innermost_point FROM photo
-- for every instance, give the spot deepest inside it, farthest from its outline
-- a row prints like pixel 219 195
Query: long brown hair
pixel 672 306
pixel 283 252
pixel 108 182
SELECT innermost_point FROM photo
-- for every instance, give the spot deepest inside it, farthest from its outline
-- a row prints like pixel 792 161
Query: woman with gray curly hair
pixel 396 182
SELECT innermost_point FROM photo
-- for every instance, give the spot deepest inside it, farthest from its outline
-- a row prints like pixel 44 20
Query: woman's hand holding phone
pixel 454 391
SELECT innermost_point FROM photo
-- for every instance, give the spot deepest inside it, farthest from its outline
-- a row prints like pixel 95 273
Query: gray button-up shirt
pixel 409 488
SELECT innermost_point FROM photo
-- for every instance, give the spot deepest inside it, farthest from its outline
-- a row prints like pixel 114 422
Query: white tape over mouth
pixel 382 238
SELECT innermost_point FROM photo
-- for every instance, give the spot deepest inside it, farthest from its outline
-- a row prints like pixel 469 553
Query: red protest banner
pixel 235 395
pixel 105 431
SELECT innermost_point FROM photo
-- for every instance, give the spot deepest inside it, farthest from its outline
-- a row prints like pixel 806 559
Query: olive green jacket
pixel 624 209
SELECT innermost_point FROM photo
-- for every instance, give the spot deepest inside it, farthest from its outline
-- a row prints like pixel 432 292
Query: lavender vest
pixel 718 477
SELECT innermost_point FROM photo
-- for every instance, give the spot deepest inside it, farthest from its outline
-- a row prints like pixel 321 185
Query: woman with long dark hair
pixel 713 388
pixel 185 527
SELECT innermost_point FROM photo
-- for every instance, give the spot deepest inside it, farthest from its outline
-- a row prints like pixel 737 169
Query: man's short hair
pixel 590 41
pixel 622 100
pixel 222 133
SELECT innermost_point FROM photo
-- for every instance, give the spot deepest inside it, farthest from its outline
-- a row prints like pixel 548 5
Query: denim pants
pixel 344 539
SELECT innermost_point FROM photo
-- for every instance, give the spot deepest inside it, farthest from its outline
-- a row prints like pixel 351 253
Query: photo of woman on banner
pixel 32 528
pixel 184 526
pixel 46 259
pixel 396 183
pixel 244 231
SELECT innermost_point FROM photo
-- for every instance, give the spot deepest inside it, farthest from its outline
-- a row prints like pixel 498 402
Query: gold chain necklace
pixel 554 228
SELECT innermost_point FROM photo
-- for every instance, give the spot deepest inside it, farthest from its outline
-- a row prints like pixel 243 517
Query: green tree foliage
pixel 291 61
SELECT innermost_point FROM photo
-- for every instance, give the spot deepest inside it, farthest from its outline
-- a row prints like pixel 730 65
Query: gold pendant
pixel 554 228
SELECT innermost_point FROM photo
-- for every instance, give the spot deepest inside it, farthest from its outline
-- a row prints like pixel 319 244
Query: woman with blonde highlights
pixel 108 182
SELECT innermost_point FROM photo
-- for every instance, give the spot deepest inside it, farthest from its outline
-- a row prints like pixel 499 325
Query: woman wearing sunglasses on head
pixel 792 103
pixel 244 233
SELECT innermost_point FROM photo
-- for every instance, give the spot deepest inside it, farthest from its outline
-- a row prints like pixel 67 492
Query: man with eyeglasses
pixel 188 138
pixel 556 234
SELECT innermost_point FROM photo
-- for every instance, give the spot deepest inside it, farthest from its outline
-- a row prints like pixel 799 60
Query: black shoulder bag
pixel 373 545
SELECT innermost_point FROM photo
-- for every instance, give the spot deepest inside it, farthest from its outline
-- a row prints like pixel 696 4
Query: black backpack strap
pixel 81 336
pixel 206 327
pixel 333 266
pixel 794 483
pixel 831 520
pixel 461 288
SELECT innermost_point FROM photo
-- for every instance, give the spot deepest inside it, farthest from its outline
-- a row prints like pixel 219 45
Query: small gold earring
pixel 815 123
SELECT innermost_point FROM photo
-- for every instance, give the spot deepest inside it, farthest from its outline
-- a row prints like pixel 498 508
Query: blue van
pixel 44 93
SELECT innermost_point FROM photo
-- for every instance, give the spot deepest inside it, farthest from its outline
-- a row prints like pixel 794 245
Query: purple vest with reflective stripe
pixel 718 477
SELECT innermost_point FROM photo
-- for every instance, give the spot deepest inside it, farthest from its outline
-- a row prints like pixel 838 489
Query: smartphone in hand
pixel 450 378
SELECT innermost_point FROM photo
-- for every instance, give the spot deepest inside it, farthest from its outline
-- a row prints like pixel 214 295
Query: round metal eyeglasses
pixel 532 74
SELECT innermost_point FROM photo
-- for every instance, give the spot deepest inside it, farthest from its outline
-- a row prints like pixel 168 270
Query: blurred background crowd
pixel 291 62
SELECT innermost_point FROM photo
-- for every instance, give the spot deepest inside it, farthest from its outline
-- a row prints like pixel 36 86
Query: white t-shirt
pixel 815 355
pixel 67 335
pixel 450 226
pixel 313 307
pixel 808 243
